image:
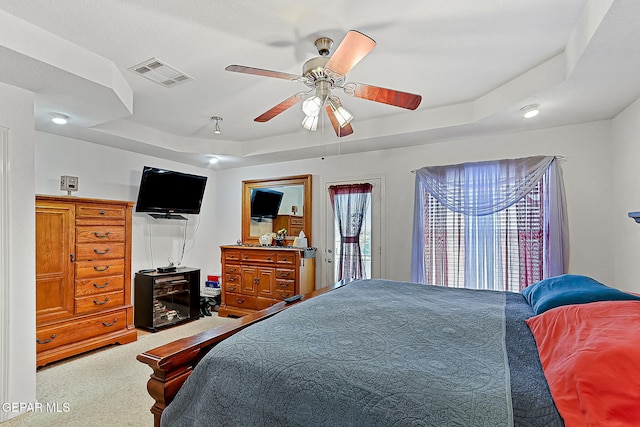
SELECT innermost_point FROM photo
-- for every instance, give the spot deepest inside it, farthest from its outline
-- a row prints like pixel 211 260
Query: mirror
pixel 274 204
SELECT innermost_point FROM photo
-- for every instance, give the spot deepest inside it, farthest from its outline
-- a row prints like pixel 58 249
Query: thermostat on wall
pixel 68 183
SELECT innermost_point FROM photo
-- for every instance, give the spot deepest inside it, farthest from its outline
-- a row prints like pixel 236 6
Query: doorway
pixel 370 238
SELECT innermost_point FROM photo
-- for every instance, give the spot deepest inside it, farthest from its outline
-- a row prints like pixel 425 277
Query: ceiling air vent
pixel 161 73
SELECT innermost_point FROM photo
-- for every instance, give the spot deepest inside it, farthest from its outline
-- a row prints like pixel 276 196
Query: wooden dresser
pixel 256 277
pixel 83 275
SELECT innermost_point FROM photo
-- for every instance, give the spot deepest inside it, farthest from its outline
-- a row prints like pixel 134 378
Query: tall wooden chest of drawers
pixel 256 277
pixel 83 275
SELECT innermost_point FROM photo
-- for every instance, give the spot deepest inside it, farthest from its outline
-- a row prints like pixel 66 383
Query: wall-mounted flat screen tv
pixel 265 203
pixel 164 193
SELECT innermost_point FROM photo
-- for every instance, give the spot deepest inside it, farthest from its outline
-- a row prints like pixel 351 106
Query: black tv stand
pixel 168 216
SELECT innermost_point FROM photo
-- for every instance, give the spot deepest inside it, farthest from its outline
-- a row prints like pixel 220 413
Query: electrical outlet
pixel 68 183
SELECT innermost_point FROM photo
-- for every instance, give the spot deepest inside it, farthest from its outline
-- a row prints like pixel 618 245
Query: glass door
pixel 370 237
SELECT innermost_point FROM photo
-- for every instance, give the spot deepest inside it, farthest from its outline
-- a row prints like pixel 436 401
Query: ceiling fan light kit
pixel 323 74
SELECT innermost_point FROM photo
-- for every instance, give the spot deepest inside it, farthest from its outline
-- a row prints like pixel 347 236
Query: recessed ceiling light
pixel 530 111
pixel 213 160
pixel 59 119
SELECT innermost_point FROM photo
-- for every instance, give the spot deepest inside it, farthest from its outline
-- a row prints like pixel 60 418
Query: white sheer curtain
pixel 476 193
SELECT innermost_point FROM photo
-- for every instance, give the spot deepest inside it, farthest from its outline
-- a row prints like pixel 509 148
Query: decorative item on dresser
pixel 83 275
pixel 256 277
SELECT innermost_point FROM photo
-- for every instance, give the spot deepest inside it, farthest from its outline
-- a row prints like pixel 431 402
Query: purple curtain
pixel 479 190
pixel 349 203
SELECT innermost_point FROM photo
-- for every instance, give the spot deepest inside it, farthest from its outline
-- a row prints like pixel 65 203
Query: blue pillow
pixel 570 289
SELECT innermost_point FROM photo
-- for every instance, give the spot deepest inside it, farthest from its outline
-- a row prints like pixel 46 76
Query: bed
pixel 389 353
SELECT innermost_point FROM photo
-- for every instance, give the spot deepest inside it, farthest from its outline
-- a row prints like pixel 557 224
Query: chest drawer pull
pixel 102 212
pixel 110 324
pixel 246 257
pixel 105 268
pixel 96 302
pixel 285 273
pixel 98 252
pixel 39 341
pixel 239 300
pixel 231 288
pixel 101 236
pixel 95 285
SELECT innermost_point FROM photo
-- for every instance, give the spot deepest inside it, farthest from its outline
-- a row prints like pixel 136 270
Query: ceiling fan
pixel 323 74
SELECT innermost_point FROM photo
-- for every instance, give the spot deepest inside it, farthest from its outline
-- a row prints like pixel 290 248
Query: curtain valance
pixel 483 188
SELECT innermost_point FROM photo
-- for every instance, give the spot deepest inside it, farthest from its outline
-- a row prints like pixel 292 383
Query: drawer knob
pixel 231 288
pixel 39 341
pixel 95 285
pixel 101 236
pixel 246 257
pixel 96 302
pixel 102 212
pixel 105 268
pixel 99 252
pixel 239 300
pixel 284 259
pixel 268 258
pixel 110 324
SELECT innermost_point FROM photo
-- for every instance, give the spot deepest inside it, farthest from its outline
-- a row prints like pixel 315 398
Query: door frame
pixel 378 257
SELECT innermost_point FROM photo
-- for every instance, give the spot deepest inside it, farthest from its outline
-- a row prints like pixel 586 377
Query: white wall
pixel 19 379
pixel 109 173
pixel 626 190
pixel 587 173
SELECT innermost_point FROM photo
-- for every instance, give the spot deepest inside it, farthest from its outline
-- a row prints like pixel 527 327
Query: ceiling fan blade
pixel 344 131
pixel 261 72
pixel 351 50
pixel 284 105
pixel 387 96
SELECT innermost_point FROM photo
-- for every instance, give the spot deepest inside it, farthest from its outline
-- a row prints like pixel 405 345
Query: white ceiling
pixel 475 63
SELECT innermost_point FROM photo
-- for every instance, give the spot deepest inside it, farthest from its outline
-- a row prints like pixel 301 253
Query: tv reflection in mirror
pixel 165 193
pixel 265 203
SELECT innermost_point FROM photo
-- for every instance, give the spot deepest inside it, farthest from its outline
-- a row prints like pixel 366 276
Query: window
pixel 490 225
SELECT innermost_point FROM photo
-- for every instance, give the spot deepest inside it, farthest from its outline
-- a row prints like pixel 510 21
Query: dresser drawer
pixel 285 258
pixel 48 337
pixel 232 268
pixel 96 233
pixel 286 293
pixel 285 273
pixel 98 211
pixel 241 301
pixel 99 302
pixel 96 285
pixel 110 267
pixel 258 256
pixel 232 255
pixel 99 250
pixel 232 282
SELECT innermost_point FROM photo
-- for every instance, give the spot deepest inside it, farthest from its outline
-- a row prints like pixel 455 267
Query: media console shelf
pixel 166 299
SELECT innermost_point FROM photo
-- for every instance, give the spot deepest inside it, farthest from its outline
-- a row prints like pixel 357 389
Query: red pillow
pixel 590 355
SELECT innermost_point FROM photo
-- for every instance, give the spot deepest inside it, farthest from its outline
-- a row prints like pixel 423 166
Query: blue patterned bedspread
pixel 376 353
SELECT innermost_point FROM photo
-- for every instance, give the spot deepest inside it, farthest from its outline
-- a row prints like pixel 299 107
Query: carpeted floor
pixel 106 387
